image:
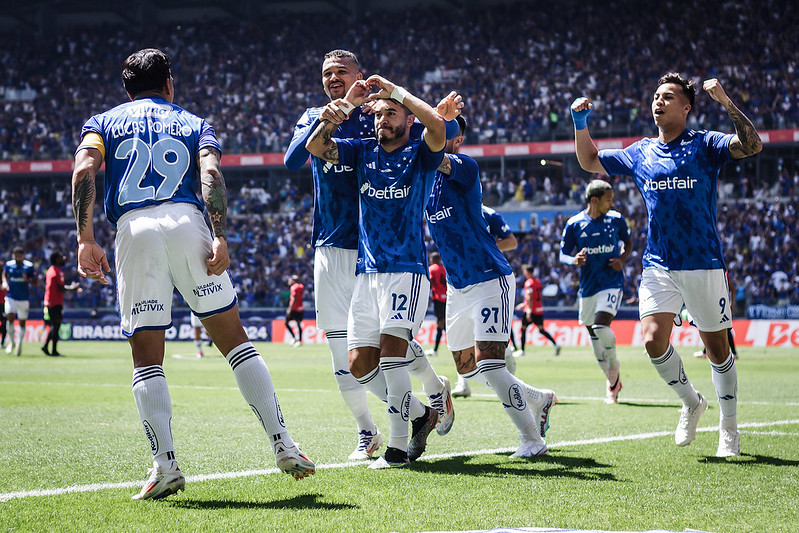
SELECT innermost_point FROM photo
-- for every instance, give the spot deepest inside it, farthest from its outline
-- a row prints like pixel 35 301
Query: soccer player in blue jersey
pixel 677 175
pixel 395 174
pixel 591 241
pixel 480 294
pixel 154 153
pixel 18 276
pixel 335 240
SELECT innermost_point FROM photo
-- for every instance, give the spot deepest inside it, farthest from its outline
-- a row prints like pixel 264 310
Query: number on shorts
pixel 486 312
pixel 612 298
pixel 722 304
pixel 141 156
pixel 398 298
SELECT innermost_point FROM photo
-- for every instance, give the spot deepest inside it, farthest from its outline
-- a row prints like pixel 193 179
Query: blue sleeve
pixel 453 130
pixel 296 154
pixel 348 150
pixel 567 242
pixel 500 228
pixel 429 160
pixel 617 161
pixel 208 137
pixel 464 170
pixel 717 145
pixel 624 230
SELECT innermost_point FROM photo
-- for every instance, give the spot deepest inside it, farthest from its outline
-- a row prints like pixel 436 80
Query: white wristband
pixel 399 94
pixel 346 107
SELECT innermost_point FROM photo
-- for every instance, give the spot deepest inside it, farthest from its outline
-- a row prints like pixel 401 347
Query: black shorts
pixel 440 309
pixel 528 319
pixel 296 316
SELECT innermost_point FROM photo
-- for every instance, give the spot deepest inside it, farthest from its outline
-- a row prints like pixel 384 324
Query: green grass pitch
pixel 72 450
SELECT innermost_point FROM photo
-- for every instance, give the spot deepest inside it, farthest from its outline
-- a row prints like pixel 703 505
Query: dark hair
pixel 18 249
pixel 339 53
pixel 528 268
pixel 688 87
pixel 462 124
pixel 146 70
pixel 596 189
pixel 55 257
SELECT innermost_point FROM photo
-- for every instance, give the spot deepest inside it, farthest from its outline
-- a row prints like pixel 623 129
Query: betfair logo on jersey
pixel 439 215
pixel 669 184
pixel 146 305
pixel 601 249
pixel 208 288
pixel 337 169
pixel 388 193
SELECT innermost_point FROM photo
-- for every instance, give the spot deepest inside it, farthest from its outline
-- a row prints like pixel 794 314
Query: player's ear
pixel 359 75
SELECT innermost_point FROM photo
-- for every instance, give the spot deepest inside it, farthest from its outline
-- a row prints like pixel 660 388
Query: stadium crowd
pixel 519 66
pixel 269 238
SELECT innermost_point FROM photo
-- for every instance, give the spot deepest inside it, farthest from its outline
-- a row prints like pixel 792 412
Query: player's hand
pixel 385 87
pixel 450 106
pixel 716 91
pixel 581 257
pixel 332 113
pixel 580 109
pixel 616 263
pixel 92 262
pixel 358 93
pixel 220 258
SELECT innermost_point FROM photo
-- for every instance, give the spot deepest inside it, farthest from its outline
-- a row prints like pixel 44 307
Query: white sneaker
pixel 442 403
pixel 518 353
pixel 700 354
pixel 161 484
pixel 10 348
pixel 542 408
pixel 293 461
pixel 510 361
pixel 431 353
pixel 557 350
pixel 200 354
pixel 531 448
pixel 689 419
pixel 368 444
pixel 729 441
pixel 461 390
pixel 611 394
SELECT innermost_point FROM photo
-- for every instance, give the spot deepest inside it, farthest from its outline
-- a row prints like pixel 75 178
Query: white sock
pixel 510 393
pixel 375 381
pixel 199 344
pixel 420 368
pixel 10 328
pixel 353 393
pixel 725 380
pixel 21 334
pixel 669 366
pixel 151 395
pixel 476 376
pixel 399 389
pixel 256 386
pixel 607 339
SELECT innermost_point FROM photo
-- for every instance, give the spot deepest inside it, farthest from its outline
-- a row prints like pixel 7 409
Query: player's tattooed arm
pixel 446 166
pixel 84 191
pixel 746 141
pixel 214 190
pixel 321 143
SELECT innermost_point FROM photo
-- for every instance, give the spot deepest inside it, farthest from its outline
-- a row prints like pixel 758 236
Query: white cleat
pixel 689 419
pixel 518 353
pixel 611 394
pixel 700 354
pixel 161 484
pixel 461 390
pixel 10 348
pixel 292 461
pixel 531 448
pixel 442 403
pixel 368 444
pixel 541 408
pixel 510 361
pixel 729 441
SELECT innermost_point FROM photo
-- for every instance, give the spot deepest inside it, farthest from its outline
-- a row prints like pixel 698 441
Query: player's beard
pixel 385 135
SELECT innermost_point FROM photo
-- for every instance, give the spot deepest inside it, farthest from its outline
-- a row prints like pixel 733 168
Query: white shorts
pixel 606 301
pixel 480 312
pixel 18 307
pixel 704 292
pixel 195 321
pixel 158 248
pixel 386 301
pixel 334 281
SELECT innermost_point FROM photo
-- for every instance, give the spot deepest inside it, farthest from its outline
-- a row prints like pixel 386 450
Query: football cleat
pixel 700 354
pixel 10 348
pixel 161 484
pixel 393 458
pixel 542 409
pixel 729 441
pixel 442 402
pixel 518 353
pixel 461 389
pixel 689 419
pixel 557 350
pixel 421 429
pixel 368 444
pixel 612 394
pixel 531 448
pixel 292 461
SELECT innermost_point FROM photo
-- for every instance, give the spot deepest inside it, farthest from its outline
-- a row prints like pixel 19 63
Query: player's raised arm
pixel 215 197
pixel 435 134
pixel 746 141
pixel 92 261
pixel 586 150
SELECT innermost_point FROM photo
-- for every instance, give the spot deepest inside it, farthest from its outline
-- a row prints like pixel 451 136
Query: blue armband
pixel 580 118
pixel 453 129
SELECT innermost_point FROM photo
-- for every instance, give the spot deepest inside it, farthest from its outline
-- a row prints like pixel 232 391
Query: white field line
pixel 4 497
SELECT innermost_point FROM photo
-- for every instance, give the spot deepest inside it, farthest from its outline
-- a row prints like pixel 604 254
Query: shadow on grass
pixel 657 405
pixel 304 501
pixel 582 468
pixel 749 459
